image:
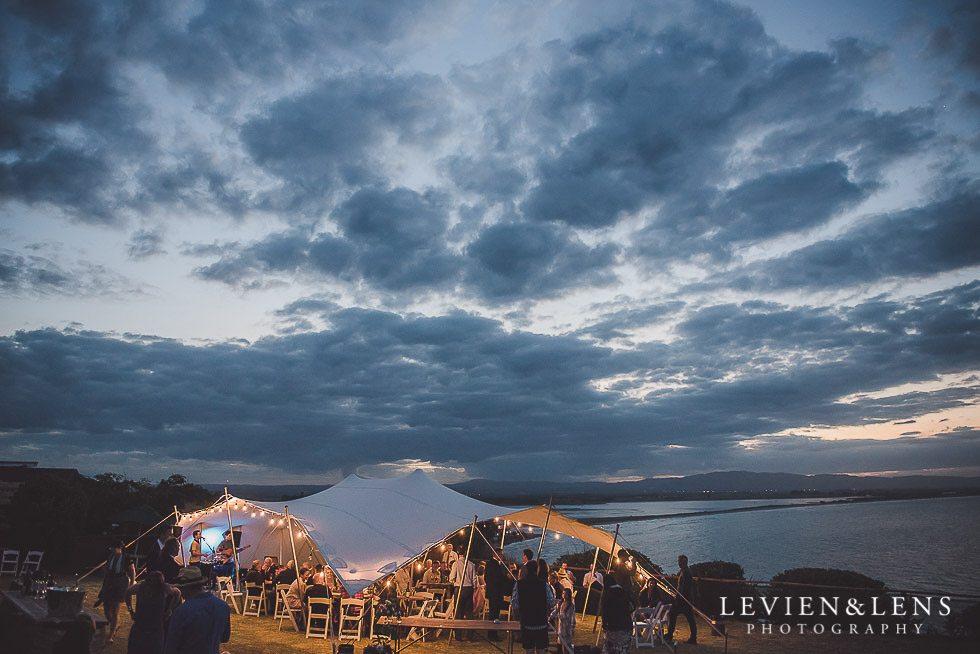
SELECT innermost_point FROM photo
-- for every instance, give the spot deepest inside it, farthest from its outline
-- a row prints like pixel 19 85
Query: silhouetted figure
pixel 202 622
pixel 682 603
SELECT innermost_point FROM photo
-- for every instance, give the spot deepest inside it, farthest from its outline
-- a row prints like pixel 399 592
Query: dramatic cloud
pixel 651 238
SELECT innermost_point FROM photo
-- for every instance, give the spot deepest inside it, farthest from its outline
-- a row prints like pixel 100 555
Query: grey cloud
pixel 617 323
pixel 513 260
pixel 36 276
pixel 391 238
pixel 461 388
pixel 926 240
pixel 146 243
pixel 324 139
pixel 787 201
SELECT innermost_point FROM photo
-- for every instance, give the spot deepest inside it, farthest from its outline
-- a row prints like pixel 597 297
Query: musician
pixel 225 553
pixel 195 557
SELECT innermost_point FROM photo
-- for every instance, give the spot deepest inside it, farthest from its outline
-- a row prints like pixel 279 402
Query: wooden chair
pixel 280 610
pixel 11 562
pixel 32 561
pixel 323 606
pixel 351 617
pixel 227 591
pixel 254 600
pixel 288 612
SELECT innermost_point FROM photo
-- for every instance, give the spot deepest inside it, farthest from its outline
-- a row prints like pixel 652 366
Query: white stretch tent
pixel 365 529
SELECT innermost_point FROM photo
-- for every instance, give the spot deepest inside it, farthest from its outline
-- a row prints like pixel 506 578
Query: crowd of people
pixel 176 612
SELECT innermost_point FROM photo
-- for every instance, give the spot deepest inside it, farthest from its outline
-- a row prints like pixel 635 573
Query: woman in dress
pixel 155 601
pixel 120 572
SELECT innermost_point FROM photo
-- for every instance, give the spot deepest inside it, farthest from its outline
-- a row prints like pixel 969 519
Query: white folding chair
pixel 32 561
pixel 226 591
pixel 425 611
pixel 289 613
pixel 643 633
pixel 351 617
pixel 280 610
pixel 323 606
pixel 254 600
pixel 11 562
pixel 660 621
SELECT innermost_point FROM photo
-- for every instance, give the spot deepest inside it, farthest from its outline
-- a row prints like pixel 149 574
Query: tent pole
pixel 462 577
pixel 589 589
pixel 605 582
pixel 180 540
pixel 497 556
pixel 127 547
pixel 231 534
pixel 503 534
pixel 545 529
pixel 292 540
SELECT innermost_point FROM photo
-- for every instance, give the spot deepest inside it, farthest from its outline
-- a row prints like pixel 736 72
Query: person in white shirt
pixel 463 577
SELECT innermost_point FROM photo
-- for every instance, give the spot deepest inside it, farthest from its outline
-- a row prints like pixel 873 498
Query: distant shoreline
pixel 605 520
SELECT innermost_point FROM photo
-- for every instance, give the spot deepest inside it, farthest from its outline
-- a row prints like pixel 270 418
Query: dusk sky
pixel 284 241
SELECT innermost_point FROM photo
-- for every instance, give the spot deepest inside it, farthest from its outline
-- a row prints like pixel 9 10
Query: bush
pixel 965 623
pixel 708 594
pixel 865 592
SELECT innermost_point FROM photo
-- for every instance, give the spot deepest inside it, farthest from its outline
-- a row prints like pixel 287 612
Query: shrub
pixel 708 594
pixel 965 623
pixel 847 588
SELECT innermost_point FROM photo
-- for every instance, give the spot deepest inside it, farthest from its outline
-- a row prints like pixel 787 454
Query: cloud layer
pixel 657 241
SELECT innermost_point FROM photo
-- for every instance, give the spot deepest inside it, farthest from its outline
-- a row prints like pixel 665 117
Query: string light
pixel 272 521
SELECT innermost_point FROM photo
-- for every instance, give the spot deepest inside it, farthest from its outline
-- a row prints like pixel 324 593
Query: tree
pixel 49 513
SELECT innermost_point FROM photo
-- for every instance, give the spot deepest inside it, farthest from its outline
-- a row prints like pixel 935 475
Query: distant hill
pixel 269 493
pixel 712 484
pixel 720 483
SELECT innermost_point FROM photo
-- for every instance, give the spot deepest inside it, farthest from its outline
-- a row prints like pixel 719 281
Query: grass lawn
pixel 250 635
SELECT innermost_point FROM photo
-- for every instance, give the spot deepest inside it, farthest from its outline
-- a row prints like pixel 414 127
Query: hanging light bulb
pixel 272 521
pixel 253 514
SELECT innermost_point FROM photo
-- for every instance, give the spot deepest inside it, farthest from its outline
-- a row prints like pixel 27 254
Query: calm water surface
pixel 922 545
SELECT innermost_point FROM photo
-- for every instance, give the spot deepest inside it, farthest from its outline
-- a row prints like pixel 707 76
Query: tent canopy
pixel 365 529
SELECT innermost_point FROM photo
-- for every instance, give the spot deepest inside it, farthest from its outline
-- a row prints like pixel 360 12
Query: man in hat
pixel 202 622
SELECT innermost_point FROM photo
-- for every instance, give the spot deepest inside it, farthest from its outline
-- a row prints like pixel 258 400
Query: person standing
pixel 120 573
pixel 617 615
pixel 449 557
pixel 195 557
pixel 462 577
pixel 565 612
pixel 155 601
pixel 202 622
pixel 494 579
pixel 533 600
pixel 682 604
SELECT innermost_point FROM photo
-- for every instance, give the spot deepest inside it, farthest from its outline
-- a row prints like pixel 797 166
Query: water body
pixel 929 545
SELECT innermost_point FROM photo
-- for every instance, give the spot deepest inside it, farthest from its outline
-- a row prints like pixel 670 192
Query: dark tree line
pixel 72 518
